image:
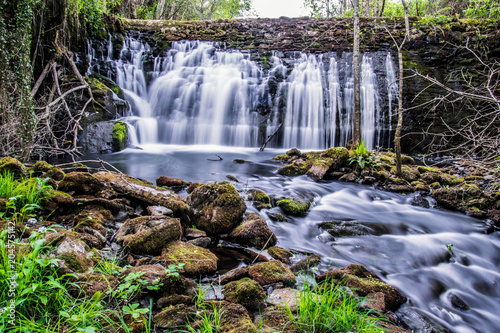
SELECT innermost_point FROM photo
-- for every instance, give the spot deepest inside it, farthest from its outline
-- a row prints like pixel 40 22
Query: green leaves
pixel 362 157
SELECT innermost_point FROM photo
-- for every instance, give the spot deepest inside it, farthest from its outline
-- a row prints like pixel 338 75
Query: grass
pixel 328 308
pixel 208 316
pixel 37 294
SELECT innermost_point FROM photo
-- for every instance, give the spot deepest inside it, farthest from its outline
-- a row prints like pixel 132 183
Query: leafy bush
pixel 362 156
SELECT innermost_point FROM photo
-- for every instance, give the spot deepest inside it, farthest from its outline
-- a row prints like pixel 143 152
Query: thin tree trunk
pixel 407 21
pixel 356 129
pixel 367 8
pixel 382 9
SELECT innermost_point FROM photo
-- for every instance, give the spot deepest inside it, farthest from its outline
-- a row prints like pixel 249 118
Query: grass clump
pixel 328 308
pixel 208 316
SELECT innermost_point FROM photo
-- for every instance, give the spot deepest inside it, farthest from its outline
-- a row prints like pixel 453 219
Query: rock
pixel 148 234
pixel 119 136
pixel 204 242
pixel 197 260
pixel 339 156
pixel 56 200
pixel 362 282
pixel 218 208
pixel 74 255
pixel 462 197
pixel 284 297
pixel 277 217
pixel 375 301
pixel 294 152
pixel 407 173
pixel 319 169
pixel 232 178
pixel 236 320
pixel 272 272
pixel 48 170
pixel 253 231
pixel 159 211
pixel 419 200
pixel 258 196
pixel 80 183
pixel 193 186
pixel 232 275
pixel 296 168
pixel 13 166
pixel 305 264
pixel 93 217
pixel 174 316
pixel 280 254
pixel 273 319
pixel 168 301
pixel 349 177
pixel 191 233
pixel 293 207
pixel 356 228
pixel 152 195
pixel 97 138
pixel 169 181
pixel 245 292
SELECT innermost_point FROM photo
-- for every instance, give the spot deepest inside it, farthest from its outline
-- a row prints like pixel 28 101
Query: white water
pixel 198 93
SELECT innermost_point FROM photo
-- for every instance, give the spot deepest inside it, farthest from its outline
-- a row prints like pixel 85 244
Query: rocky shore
pixel 179 244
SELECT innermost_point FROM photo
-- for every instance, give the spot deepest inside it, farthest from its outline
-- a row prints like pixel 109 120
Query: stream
pixel 444 262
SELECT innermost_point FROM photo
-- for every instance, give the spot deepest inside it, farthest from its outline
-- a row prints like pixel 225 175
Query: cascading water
pixel 199 93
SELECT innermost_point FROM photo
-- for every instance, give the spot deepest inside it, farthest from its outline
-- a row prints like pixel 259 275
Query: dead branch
pixel 270 137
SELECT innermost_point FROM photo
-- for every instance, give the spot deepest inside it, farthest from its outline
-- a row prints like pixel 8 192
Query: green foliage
pixel 483 9
pixel 23 197
pixel 33 292
pixel 362 157
pixel 328 308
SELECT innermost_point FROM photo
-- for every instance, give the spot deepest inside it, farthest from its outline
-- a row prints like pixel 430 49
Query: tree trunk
pixel 367 8
pixel 382 9
pixel 356 129
pixel 397 135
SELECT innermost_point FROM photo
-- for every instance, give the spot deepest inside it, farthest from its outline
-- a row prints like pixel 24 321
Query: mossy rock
pixel 282 158
pixel 465 197
pixel 174 316
pixel 407 160
pixel 93 282
pixel 363 282
pixel 340 155
pixel 80 183
pixel 93 217
pixel 278 217
pixel 386 158
pixel 293 152
pixel 253 231
pixel 272 272
pixel 280 254
pixel 218 207
pixel 235 319
pixel 48 170
pixel 13 166
pixel 75 261
pixel 120 136
pixel 148 234
pixel 293 207
pixel 305 264
pixel 297 168
pixel 407 173
pixel 246 292
pixel 56 199
pixel 197 260
pixel 259 196
pixel 274 319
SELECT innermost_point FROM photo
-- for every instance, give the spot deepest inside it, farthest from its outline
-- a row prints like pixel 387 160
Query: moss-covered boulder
pixel 253 231
pixel 197 260
pixel 236 320
pixel 120 136
pixel 363 282
pixel 79 183
pixel 293 206
pixel 149 234
pixel 56 199
pixel 245 292
pixel 45 169
pixel 272 272
pixel 319 168
pixel 407 173
pixel 258 196
pixel 93 282
pixel 13 166
pixel 294 152
pixel 280 254
pixel 218 208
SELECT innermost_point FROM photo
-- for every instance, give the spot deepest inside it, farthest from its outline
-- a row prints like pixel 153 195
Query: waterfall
pixel 201 93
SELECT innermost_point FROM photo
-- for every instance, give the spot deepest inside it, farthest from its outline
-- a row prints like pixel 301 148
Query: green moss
pixel 293 207
pixel 281 254
pixel 120 136
pixel 76 262
pixel 259 195
pixel 197 260
pixel 246 292
pixel 407 173
pixel 339 154
pixel 272 272
pixel 293 152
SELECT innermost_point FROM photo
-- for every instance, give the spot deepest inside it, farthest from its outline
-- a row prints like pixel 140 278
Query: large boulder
pixel 363 282
pixel 253 231
pixel 218 208
pixel 272 272
pixel 149 234
pixel 97 138
pixel 236 319
pixel 197 260
pixel 80 183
